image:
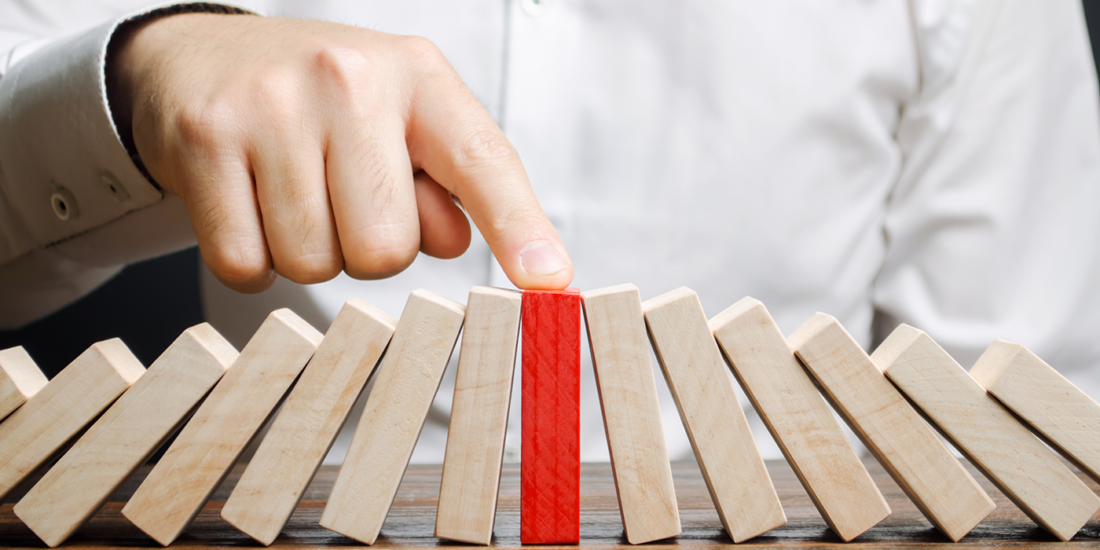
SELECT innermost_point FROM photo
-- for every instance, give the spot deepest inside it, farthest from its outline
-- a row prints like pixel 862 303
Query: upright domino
pixel 703 389
pixel 39 429
pixel 288 457
pixel 406 384
pixel 1051 405
pixel 479 417
pixel 1002 448
pixel 631 413
pixel 550 465
pixel 890 428
pixel 201 456
pixel 126 435
pixel 798 419
pixel 20 379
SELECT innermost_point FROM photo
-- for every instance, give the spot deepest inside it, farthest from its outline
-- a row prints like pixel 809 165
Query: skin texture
pixel 305 148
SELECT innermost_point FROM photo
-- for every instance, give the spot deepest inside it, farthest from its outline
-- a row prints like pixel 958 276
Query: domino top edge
pixel 901 339
pixel 434 298
pixel 22 371
pixel 668 298
pixel 121 359
pixel 299 325
pixel 214 343
pixel 995 359
pixel 609 290
pixel 570 290
pixel 734 311
pixel 817 324
pixel 369 310
pixel 508 294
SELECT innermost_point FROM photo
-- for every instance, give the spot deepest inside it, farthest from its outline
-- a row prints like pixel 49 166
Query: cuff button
pixel 64 204
pixel 113 187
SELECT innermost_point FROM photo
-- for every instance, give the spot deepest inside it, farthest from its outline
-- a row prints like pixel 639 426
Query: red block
pixel 550 468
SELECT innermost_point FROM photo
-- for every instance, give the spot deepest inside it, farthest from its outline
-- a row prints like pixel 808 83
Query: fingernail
pixel 541 258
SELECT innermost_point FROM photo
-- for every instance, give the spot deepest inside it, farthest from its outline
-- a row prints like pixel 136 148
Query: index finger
pixel 453 139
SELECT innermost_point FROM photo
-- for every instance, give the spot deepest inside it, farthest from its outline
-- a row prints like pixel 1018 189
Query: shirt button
pixel 113 187
pixel 535 8
pixel 64 204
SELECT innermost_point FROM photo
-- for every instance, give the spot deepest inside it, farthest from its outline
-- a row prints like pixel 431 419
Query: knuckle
pixel 241 266
pixel 423 52
pixel 483 146
pixel 312 268
pixel 378 260
pixel 277 93
pixel 341 68
pixel 207 126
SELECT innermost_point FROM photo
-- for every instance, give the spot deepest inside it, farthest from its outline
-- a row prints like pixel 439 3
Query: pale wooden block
pixel 1052 406
pixel 479 416
pixel 404 388
pixel 126 435
pixel 631 413
pixel 35 432
pixel 986 433
pixel 890 428
pixel 309 421
pixel 704 392
pixel 201 456
pixel 798 419
pixel 20 379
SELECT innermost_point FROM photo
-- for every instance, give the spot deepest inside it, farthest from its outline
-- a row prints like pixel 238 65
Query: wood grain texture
pixel 798 419
pixel 479 416
pixel 890 428
pixel 406 384
pixel 551 438
pixel 126 435
pixel 20 379
pixel 703 388
pixel 986 433
pixel 40 428
pixel 1055 409
pixel 412 517
pixel 230 417
pixel 309 421
pixel 631 413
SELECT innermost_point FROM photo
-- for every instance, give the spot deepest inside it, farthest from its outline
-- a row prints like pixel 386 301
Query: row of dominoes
pixel 886 398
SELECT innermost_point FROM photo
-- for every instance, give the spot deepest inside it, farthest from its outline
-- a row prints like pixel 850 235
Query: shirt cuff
pixel 64 173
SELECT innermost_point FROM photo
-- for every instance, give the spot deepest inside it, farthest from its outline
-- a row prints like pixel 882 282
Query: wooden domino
pixel 397 406
pixel 126 435
pixel 309 421
pixel 1051 405
pixel 550 465
pixel 798 419
pixel 890 428
pixel 201 456
pixel 20 379
pixel 703 388
pixel 36 431
pixel 893 399
pixel 479 417
pixel 983 430
pixel 631 413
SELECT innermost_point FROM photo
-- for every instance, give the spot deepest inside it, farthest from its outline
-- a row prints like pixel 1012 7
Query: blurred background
pixel 149 304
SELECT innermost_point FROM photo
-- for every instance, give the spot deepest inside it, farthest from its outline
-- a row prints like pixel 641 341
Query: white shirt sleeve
pixel 992 229
pixel 74 207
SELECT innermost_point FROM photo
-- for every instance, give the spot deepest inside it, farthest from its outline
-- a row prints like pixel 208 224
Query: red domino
pixel 550 468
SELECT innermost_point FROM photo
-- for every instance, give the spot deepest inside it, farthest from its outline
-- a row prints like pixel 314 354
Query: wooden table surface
pixel 412 518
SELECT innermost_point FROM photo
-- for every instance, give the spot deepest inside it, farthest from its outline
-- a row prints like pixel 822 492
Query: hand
pixel 305 148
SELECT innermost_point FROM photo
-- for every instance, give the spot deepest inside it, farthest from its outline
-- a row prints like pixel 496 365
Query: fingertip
pixel 253 285
pixel 543 265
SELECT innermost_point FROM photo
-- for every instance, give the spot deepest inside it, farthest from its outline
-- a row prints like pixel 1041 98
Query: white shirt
pixel 935 162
